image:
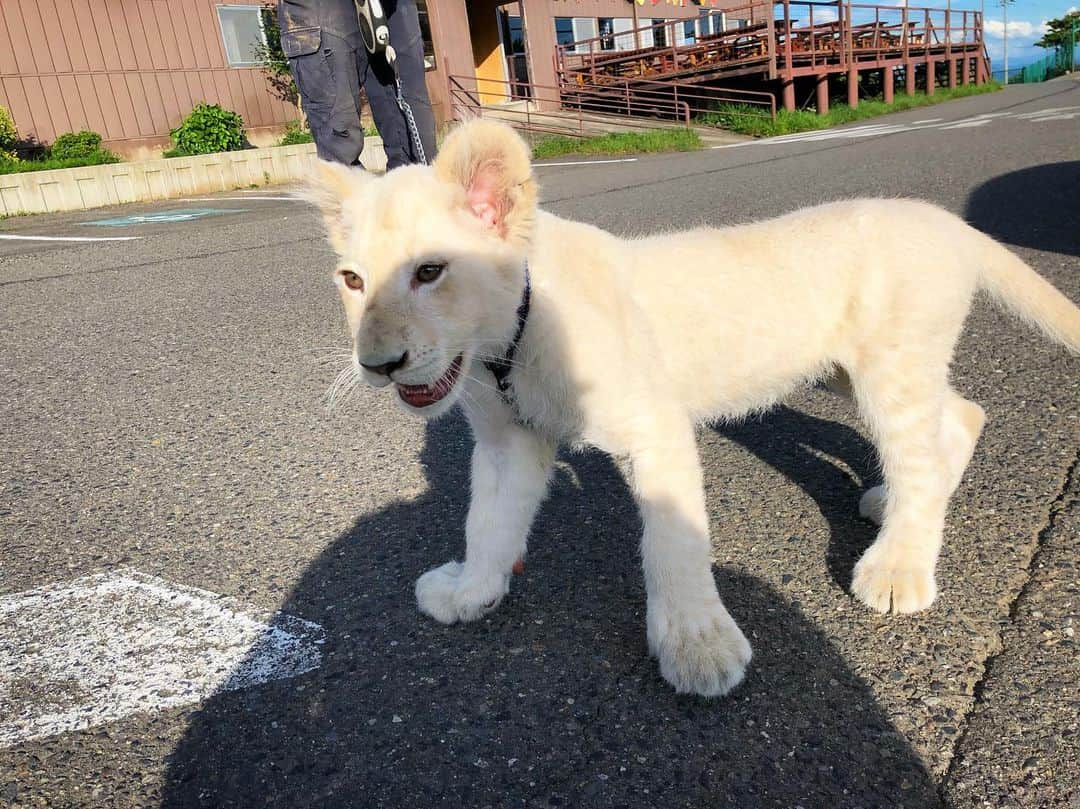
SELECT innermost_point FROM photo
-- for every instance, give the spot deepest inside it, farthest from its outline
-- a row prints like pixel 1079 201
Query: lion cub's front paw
pixel 701 650
pixel 884 579
pixel 448 595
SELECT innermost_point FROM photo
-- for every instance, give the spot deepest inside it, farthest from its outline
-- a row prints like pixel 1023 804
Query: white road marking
pixel 1052 111
pixel 69 238
pixel 874 130
pixel 967 123
pixel 245 199
pixel 589 162
pixel 1061 116
pixel 79 654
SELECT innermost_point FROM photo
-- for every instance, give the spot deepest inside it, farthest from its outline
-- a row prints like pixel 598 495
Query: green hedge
pixel 47 163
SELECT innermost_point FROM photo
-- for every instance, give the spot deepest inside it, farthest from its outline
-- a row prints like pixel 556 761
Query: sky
pixel 1026 21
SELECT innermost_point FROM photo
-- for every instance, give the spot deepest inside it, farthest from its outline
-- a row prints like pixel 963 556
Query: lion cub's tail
pixel 1029 295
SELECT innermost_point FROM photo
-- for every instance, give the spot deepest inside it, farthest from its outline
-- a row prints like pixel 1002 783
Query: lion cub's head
pixel 431 260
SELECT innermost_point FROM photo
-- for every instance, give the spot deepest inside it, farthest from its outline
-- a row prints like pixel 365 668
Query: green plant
pixel 98 158
pixel 294 134
pixel 9 136
pixel 657 140
pixel 208 128
pixel 75 145
pixel 275 63
pixel 749 120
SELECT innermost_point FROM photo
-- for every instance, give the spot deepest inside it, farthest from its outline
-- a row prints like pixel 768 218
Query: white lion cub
pixel 459 291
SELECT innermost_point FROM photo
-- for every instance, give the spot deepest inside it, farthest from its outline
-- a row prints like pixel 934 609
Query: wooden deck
pixel 782 41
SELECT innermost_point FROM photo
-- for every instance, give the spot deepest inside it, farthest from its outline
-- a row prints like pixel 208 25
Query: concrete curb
pixel 149 180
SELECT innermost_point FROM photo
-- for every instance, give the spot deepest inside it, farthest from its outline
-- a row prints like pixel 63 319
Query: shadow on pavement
pixel 803 448
pixel 1037 207
pixel 551 701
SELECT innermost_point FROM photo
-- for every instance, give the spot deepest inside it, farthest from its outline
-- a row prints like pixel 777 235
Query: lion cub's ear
pixel 493 165
pixel 329 185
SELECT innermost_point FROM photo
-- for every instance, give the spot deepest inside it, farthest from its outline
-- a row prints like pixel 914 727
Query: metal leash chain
pixel 406 110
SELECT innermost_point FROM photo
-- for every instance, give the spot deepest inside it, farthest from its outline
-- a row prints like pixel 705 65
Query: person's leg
pixel 379 83
pixel 328 79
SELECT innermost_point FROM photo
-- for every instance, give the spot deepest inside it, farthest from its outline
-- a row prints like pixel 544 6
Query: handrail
pixel 638 104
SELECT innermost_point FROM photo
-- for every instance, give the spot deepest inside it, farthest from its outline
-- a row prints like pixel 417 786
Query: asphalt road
pixel 162 412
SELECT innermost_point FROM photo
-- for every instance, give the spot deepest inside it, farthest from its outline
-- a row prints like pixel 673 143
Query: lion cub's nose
pixel 387 368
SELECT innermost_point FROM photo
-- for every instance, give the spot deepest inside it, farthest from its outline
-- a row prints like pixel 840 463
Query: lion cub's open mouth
pixel 427 395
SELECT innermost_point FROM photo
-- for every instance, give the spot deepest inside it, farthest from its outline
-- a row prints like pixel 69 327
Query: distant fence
pixel 1061 60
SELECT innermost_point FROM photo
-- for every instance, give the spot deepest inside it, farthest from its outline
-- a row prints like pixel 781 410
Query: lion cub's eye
pixel 352 280
pixel 426 273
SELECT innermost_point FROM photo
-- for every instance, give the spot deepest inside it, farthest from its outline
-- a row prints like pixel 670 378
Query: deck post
pixel 823 94
pixel 952 74
pixel 887 84
pixel 930 77
pixel 789 94
pixel 853 86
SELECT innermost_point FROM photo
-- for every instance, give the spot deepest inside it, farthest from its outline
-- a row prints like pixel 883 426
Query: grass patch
pixel 616 143
pixel 747 120
pixel 46 164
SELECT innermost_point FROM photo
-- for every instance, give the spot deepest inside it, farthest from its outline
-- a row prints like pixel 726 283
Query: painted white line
pixel 1061 116
pixel 927 121
pixel 1046 112
pixel 69 238
pixel 589 162
pixel 79 654
pixel 967 124
pixel 224 199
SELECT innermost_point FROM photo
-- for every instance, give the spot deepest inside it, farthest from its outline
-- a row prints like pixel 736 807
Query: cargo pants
pixel 329 63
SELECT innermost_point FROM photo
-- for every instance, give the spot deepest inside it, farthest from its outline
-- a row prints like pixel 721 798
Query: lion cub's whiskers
pixel 342 387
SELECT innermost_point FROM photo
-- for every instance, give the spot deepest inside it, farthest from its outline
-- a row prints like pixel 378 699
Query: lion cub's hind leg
pixel 961 425
pixel 925 434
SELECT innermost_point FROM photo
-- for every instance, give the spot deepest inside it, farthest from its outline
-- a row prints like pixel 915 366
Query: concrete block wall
pixel 97 186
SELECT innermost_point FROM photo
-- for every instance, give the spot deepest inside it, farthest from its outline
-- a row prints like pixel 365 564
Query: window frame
pixel 258 11
pixel 659 25
pixel 567 46
pixel 607 41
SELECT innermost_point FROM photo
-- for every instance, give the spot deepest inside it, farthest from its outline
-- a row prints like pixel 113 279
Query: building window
pixel 689 34
pixel 242 34
pixel 425 34
pixel 659 33
pixel 564 32
pixel 607 33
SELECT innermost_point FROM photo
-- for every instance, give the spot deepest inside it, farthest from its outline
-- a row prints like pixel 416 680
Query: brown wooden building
pixel 132 69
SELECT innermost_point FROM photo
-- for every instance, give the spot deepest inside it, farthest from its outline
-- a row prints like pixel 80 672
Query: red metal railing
pixel 784 37
pixel 584 109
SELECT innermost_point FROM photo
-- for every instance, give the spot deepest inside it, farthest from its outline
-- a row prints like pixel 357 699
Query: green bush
pixel 98 158
pixel 208 128
pixel 294 134
pixel 73 145
pixel 9 136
